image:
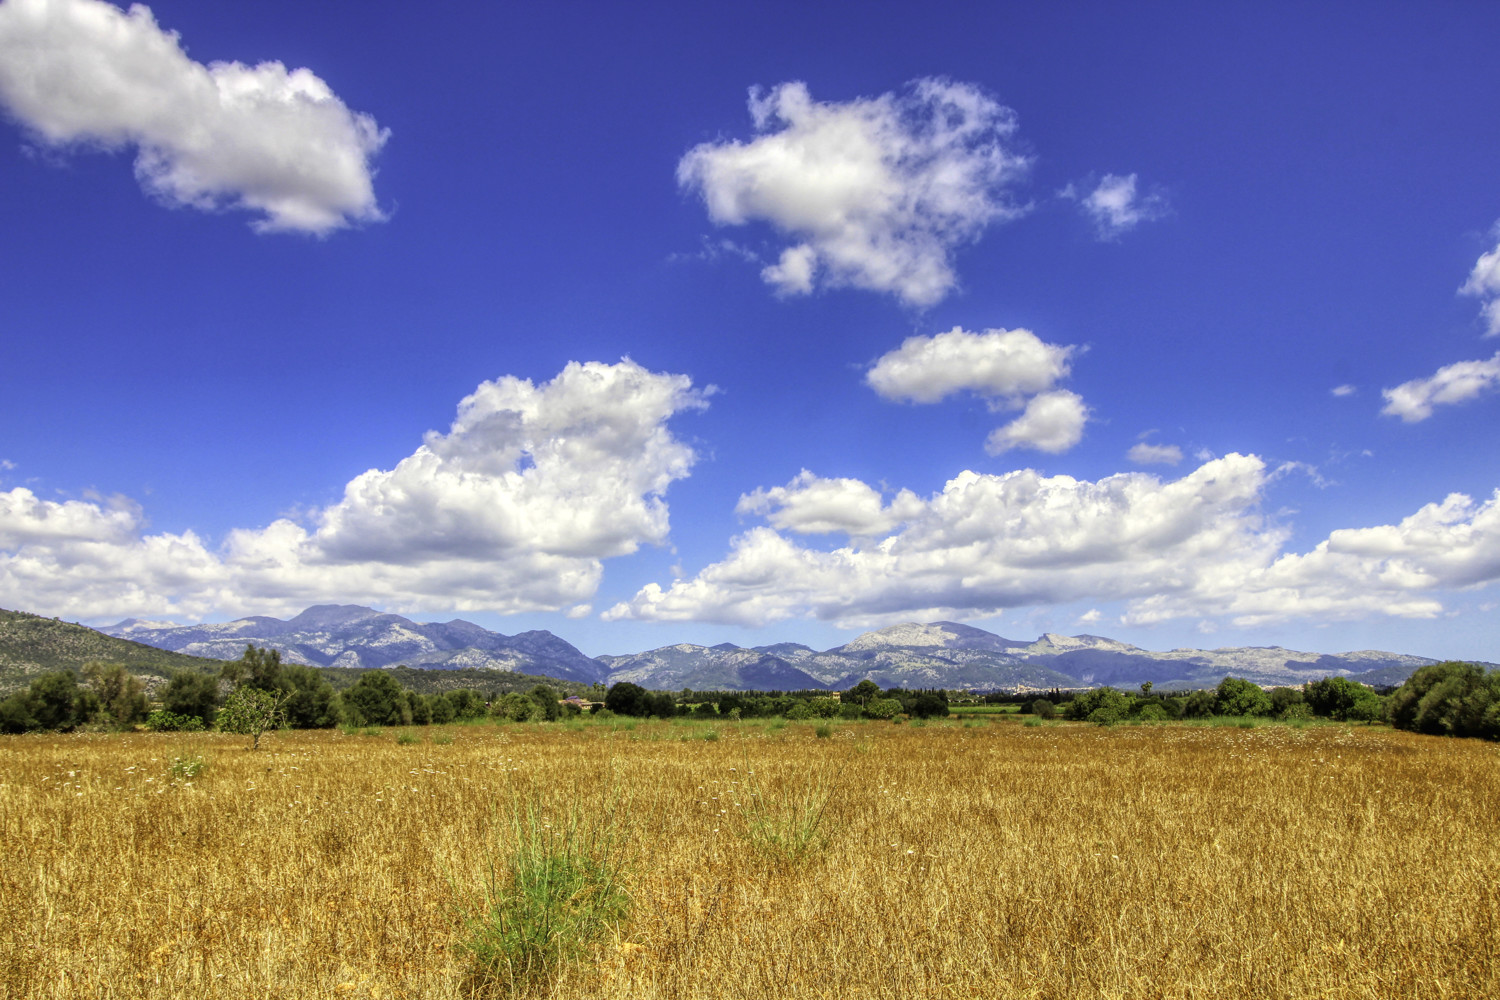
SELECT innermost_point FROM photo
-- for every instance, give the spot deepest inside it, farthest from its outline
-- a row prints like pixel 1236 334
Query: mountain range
pixel 912 655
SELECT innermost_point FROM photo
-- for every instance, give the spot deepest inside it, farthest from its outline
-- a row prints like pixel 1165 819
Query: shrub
pixel 823 732
pixel 1153 712
pixel 186 768
pixel 406 739
pixel 558 893
pixel 882 708
pixel 1043 708
pixel 163 721
pixel 799 712
pixel 929 705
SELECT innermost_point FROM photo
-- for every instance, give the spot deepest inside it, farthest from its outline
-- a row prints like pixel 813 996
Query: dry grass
pixel 996 860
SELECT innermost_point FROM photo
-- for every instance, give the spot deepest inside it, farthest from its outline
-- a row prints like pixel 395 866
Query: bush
pixel 929 705
pixel 163 721
pixel 882 708
pixel 1153 712
pixel 799 712
pixel 1043 708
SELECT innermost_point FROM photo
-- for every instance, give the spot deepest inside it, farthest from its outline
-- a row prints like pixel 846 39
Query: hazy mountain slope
pixel 351 636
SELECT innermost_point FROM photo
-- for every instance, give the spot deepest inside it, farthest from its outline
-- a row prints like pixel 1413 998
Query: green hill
pixel 32 645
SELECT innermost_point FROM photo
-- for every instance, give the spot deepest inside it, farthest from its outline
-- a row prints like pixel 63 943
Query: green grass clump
pixel 557 894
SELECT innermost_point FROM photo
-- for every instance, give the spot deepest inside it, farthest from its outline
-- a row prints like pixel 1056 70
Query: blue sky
pixel 653 323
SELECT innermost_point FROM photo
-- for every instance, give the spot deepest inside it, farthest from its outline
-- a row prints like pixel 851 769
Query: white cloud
pixel 1052 422
pixel 1343 390
pixel 875 193
pixel 1115 207
pixel 1009 368
pixel 1194 547
pixel 812 505
pixel 1090 617
pixel 1484 282
pixel 1004 365
pixel 1357 572
pixel 1413 401
pixel 990 542
pixel 512 509
pixel 1154 454
pixel 262 138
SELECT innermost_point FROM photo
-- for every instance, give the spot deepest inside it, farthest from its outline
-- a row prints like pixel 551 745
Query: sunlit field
pixel 979 858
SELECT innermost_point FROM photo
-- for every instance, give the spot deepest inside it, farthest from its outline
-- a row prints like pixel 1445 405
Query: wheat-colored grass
pixel 978 860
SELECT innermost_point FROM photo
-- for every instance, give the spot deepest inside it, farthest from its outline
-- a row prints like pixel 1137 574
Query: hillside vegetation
pixel 31 645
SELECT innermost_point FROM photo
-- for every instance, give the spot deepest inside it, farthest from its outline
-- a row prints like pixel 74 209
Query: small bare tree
pixel 252 712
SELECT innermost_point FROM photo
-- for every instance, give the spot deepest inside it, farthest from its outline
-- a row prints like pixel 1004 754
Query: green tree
pixel 1237 696
pixel 122 696
pixel 53 700
pixel 466 704
pixel 1340 698
pixel 1103 706
pixel 514 706
pixel 1043 708
pixel 193 694
pixel 547 704
pixel 258 668
pixel 376 699
pixel 625 698
pixel 861 693
pixel 311 702
pixel 1454 698
pixel 251 712
pixel 882 708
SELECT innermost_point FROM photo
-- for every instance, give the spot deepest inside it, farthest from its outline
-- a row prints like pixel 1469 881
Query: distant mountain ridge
pixel 910 654
pixel 347 635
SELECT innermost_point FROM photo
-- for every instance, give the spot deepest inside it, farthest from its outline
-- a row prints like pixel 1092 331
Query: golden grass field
pixel 987 859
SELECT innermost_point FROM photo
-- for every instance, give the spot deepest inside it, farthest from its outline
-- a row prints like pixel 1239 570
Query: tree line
pixel 259 692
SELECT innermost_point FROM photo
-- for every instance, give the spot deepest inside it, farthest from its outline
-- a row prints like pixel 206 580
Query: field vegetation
pixel 621 857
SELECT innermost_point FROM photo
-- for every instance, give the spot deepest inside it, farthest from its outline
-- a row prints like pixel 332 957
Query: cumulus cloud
pixel 512 509
pixel 260 138
pixel 1145 453
pixel 1010 369
pixel 1116 207
pixel 1052 422
pixel 1005 365
pixel 1342 391
pixel 874 193
pixel 811 505
pixel 1464 380
pixel 1484 282
pixel 990 542
pixel 1198 546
